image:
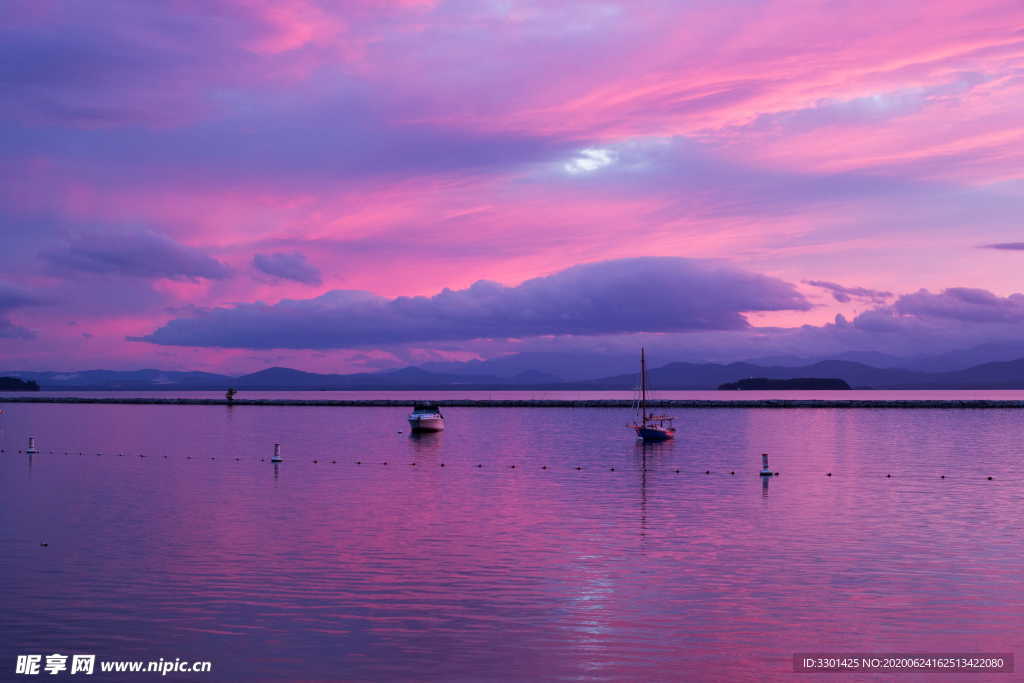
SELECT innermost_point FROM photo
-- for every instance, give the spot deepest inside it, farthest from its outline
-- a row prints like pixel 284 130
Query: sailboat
pixel 651 427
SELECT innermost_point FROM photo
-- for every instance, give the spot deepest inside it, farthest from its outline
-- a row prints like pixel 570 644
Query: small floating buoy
pixel 543 467
pixel 442 464
pixel 612 469
pixel 359 462
pixel 829 474
pixel 413 464
pixel 334 462
pixel 277 453
pixel 512 467
pixel 707 471
pixel 43 545
pixel 479 465
pixel 315 461
pixel 677 471
pixel 32 450
pixel 942 476
pixel 765 472
pixel 888 476
pixel 578 467
pixel 731 472
pixel 385 462
pixel 990 478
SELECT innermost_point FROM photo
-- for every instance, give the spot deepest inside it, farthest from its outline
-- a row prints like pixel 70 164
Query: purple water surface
pixel 478 570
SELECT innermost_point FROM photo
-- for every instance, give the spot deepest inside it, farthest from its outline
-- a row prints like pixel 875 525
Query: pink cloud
pixel 404 147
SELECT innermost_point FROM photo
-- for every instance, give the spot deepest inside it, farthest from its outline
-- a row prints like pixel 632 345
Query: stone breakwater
pixel 530 403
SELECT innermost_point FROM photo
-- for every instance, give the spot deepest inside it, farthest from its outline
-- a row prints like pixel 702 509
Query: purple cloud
pixel 12 297
pixel 846 294
pixel 140 254
pixel 962 304
pixel 293 266
pixel 627 295
pixel 1007 246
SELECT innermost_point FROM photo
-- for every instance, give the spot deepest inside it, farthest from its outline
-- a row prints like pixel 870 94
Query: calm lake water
pixel 478 570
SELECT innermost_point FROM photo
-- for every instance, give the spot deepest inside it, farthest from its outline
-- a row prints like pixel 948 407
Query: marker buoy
pixel 277 453
pixel 32 450
pixel 765 472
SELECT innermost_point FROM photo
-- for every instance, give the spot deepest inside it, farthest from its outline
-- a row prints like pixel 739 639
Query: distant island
pixel 804 383
pixel 15 384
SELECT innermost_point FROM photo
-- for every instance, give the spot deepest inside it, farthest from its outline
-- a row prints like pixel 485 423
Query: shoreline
pixel 534 403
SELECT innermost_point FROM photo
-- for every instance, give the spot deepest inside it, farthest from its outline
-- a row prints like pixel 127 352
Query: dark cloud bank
pixel 628 295
pixel 136 254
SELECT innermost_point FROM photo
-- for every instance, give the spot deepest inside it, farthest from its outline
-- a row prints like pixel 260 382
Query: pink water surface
pixel 549 546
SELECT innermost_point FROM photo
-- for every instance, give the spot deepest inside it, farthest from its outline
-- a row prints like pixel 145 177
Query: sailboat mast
pixel 643 386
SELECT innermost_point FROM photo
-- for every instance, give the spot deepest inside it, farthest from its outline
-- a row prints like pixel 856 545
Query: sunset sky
pixel 225 185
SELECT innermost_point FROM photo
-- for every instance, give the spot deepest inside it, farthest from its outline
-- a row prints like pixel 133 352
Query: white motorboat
pixel 426 417
pixel 650 427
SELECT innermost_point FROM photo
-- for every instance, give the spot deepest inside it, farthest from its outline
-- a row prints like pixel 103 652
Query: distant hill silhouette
pixel 994 375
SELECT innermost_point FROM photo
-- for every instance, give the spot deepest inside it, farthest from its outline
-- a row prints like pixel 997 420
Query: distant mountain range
pixel 548 373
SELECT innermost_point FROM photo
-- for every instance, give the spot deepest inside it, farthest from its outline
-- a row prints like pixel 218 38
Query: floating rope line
pixel 34 450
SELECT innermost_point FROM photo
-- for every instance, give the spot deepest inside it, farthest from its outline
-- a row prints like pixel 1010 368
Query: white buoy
pixel 277 453
pixel 765 472
pixel 31 450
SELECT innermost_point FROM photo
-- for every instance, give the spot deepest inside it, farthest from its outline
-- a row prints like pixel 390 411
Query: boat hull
pixel 426 424
pixel 655 433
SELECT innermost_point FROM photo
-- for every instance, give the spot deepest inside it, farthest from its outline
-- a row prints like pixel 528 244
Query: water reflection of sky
pixel 508 562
